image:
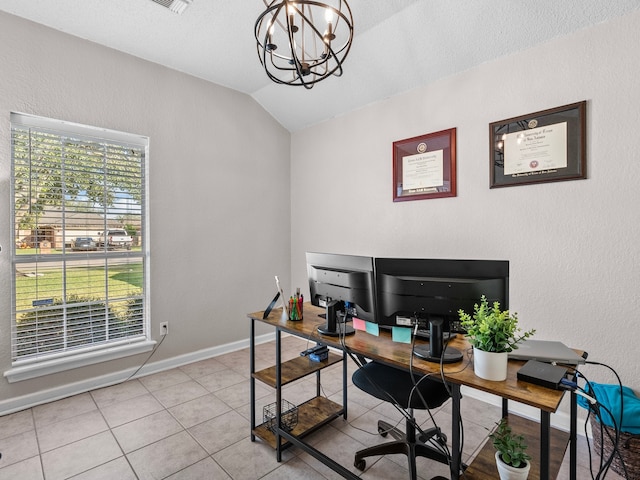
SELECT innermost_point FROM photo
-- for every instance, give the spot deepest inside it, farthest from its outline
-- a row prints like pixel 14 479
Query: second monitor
pixel 430 292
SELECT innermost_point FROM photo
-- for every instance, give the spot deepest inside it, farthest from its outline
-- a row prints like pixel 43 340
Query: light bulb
pixel 329 15
pixel 328 34
pixel 291 11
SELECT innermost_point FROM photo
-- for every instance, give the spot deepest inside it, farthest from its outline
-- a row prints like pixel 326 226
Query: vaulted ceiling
pixel 398 44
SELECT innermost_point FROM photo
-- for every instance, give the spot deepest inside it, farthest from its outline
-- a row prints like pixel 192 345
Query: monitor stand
pixel 436 351
pixel 333 328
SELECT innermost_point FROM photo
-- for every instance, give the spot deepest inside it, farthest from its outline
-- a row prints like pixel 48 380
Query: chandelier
pixel 301 42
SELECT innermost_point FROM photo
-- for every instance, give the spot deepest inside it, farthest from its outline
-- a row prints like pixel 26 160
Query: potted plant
pixel 512 459
pixel 493 333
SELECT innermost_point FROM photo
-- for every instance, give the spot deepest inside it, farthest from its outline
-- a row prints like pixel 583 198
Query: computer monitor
pixel 432 291
pixel 345 286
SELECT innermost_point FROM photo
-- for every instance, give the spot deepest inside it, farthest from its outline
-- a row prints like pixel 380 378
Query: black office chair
pixel 382 381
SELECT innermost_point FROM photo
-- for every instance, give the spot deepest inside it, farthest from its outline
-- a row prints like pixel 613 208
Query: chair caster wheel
pixel 383 432
pixel 360 464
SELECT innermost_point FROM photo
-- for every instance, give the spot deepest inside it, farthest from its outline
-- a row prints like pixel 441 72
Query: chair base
pixel 406 444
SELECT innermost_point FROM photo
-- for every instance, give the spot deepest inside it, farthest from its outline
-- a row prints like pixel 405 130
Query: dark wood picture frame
pixel 425 166
pixel 545 146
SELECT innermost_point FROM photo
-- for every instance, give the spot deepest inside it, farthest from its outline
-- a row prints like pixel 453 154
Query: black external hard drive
pixel 543 374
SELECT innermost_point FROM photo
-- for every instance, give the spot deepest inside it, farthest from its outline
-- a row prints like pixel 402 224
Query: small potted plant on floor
pixel 493 333
pixel 512 459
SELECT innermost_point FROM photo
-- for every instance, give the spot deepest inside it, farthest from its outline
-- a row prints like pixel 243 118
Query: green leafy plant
pixel 491 329
pixel 511 448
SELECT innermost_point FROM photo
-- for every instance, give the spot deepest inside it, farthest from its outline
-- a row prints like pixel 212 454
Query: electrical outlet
pixel 164 328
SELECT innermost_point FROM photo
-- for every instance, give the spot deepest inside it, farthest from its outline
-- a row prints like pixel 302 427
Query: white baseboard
pixel 23 402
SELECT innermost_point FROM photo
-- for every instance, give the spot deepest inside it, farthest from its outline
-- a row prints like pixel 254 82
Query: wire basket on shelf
pixel 288 416
pixel 628 448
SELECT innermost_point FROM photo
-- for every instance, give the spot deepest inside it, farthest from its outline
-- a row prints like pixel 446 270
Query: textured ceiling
pixel 398 45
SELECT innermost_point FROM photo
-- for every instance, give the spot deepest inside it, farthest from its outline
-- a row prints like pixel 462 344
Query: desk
pixel 384 350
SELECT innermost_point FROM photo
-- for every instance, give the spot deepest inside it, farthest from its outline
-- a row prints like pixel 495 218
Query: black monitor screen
pixel 421 289
pixel 344 278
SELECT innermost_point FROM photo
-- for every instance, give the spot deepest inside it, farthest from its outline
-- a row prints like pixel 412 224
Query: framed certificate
pixel 425 166
pixel 546 146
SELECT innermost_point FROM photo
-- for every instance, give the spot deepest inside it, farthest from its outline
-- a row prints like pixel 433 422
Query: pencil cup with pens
pixel 295 306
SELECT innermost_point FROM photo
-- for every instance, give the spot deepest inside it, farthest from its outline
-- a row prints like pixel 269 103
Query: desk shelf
pixel 312 415
pixel 294 369
pixel 484 467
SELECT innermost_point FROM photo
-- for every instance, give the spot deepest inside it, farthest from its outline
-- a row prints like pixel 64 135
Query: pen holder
pixel 296 312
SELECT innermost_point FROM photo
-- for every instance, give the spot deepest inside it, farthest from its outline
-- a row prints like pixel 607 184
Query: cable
pixel 391 398
pixel 596 408
pixel 604 467
pixel 438 445
pixel 146 360
pixel 444 382
pixel 379 432
pixel 347 350
pixel 591 400
pixel 619 383
pixel 444 348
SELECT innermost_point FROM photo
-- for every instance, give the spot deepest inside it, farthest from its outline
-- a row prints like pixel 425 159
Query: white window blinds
pixel 80 226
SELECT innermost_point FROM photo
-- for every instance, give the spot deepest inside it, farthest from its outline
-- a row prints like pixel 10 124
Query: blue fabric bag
pixel 609 396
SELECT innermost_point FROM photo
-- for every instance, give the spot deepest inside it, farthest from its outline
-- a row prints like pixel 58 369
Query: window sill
pixel 38 369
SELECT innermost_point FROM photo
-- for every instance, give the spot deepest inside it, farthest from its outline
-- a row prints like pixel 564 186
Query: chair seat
pixel 376 379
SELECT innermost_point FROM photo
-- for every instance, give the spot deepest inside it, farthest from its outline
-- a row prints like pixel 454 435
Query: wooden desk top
pixel 384 350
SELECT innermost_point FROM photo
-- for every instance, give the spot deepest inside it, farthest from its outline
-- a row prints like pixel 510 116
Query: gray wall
pixel 220 171
pixel 219 188
pixel 573 246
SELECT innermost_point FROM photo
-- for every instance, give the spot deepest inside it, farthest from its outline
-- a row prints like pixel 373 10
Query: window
pixel 79 262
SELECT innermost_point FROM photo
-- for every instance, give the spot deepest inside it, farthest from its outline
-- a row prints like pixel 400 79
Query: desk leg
pixel 456 460
pixel 278 396
pixel 573 448
pixel 252 381
pixel 545 440
pixel 344 385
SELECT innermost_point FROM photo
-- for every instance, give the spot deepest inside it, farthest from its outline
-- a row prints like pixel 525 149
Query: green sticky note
pixel 373 328
pixel 401 334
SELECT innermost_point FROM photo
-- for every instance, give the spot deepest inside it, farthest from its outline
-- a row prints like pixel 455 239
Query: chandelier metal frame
pixel 295 48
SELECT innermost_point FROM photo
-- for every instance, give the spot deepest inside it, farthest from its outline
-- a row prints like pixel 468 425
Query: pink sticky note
pixel 359 324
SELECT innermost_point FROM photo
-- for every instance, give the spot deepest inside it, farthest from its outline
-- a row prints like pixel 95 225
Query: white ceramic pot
pixel 507 472
pixel 490 365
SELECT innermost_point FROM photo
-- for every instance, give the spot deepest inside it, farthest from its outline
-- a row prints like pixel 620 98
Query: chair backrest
pixel 395 385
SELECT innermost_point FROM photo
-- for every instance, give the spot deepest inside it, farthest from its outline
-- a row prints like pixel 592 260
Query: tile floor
pixel 193 422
